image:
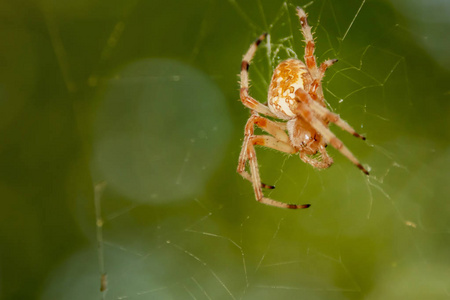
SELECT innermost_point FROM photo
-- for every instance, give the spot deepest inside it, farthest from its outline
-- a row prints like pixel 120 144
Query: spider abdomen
pixel 288 76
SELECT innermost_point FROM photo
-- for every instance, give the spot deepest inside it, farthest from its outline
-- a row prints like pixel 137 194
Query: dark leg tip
pixel 363 169
pixel 296 206
pixel 359 136
pixel 266 186
pixel 259 40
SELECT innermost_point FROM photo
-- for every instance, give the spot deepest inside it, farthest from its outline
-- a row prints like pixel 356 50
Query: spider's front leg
pixel 277 129
pixel 307 108
pixel 271 142
pixel 324 113
pixel 279 141
pixel 326 161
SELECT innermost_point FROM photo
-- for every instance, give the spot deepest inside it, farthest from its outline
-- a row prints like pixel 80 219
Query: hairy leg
pixel 271 142
pixel 246 99
pixel 308 114
pixel 326 161
pixel 324 113
pixel 277 129
pixel 309 57
pixel 315 91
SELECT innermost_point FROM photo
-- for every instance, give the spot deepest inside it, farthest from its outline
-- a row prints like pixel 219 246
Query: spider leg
pixel 324 113
pixel 310 60
pixel 271 142
pixel 315 91
pixel 329 137
pixel 326 162
pixel 246 99
pixel 309 57
pixel 325 65
pixel 277 129
pixel 325 157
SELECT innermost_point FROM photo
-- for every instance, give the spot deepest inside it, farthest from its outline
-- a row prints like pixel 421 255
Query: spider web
pixel 174 220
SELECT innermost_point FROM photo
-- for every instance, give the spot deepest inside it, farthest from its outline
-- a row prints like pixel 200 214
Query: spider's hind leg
pixel 310 59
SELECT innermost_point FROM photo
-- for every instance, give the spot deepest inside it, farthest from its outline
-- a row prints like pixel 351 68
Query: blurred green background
pixel 140 99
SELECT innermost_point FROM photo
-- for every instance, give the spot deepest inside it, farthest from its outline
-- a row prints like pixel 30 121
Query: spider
pixel 296 98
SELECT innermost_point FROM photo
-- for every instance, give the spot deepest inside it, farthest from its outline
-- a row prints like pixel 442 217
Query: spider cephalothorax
pixel 295 96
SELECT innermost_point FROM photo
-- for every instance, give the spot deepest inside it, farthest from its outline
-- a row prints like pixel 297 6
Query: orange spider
pixel 295 96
